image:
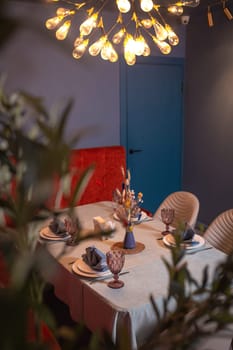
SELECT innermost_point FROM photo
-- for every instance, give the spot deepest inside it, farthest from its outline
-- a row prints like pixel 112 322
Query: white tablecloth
pixel 101 307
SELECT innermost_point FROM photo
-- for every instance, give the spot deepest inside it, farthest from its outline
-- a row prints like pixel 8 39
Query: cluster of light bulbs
pixel 134 19
pixel 226 11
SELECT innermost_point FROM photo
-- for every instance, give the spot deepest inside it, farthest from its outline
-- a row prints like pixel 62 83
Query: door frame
pixel 123 96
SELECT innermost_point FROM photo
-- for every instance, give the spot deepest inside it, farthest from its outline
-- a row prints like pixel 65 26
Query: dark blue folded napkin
pixel 188 233
pixel 95 258
pixel 57 227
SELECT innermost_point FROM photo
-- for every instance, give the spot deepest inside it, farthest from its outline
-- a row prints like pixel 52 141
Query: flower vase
pixel 129 241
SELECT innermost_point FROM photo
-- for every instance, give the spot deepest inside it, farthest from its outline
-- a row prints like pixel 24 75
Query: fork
pixel 102 278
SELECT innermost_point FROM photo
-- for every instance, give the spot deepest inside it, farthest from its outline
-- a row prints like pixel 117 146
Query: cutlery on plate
pixel 143 220
pixel 102 278
pixel 190 243
pixel 198 250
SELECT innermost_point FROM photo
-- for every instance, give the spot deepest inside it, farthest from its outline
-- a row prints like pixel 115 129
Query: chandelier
pixel 137 24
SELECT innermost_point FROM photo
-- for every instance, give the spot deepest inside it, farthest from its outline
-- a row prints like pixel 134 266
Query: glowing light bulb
pixel 105 51
pixel 61 11
pixel 129 44
pixel 175 10
pixel 53 22
pixel 95 48
pixel 146 51
pixel 62 32
pixel 160 31
pixel 164 47
pixel 147 5
pixel 139 45
pixel 87 26
pixel 118 36
pixel 129 50
pixel 108 52
pixel 172 37
pixel 130 58
pixel 80 48
pixel 210 17
pixel 147 23
pixel 190 3
pixel 78 41
pixel 123 5
pixel 113 56
pixel 227 11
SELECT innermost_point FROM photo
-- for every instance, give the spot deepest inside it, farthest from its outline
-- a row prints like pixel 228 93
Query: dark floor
pixel 62 317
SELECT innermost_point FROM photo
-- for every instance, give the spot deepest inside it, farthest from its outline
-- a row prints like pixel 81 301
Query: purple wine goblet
pixel 167 215
pixel 115 261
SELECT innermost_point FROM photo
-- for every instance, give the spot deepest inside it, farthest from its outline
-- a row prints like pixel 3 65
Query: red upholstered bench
pixel 107 175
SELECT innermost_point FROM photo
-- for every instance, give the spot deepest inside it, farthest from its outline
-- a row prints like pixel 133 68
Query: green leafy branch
pixel 192 310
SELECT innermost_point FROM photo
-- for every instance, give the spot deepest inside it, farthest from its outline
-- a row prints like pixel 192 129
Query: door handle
pixel 131 151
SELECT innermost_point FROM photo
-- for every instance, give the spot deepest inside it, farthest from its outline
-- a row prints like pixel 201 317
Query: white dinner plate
pixel 143 217
pixel 46 233
pixel 197 242
pixel 82 269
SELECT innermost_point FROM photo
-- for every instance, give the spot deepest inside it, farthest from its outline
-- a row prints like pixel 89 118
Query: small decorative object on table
pixel 128 211
pixel 167 215
pixel 115 261
pixel 101 226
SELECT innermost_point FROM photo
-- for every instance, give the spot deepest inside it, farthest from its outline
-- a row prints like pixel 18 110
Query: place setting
pixel 54 231
pixel 98 266
pixel 186 236
pixel 189 240
pixel 60 229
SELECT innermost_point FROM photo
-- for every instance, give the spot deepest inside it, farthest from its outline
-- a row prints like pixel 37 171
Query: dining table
pixel 102 308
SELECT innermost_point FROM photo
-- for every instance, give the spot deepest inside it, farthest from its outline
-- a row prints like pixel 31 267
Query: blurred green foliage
pixel 33 150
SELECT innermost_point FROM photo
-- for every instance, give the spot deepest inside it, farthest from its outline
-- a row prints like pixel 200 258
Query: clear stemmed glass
pixel 115 260
pixel 167 215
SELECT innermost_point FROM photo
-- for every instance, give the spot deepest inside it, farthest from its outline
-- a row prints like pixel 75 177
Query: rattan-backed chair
pixel 220 232
pixel 186 206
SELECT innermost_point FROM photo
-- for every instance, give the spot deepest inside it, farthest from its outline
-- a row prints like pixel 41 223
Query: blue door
pixel 152 125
